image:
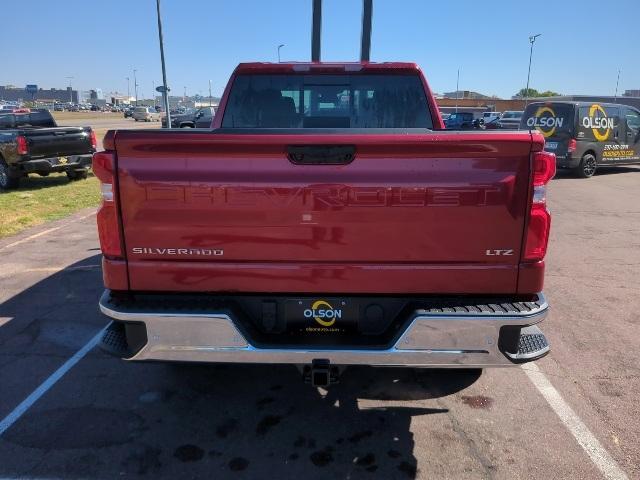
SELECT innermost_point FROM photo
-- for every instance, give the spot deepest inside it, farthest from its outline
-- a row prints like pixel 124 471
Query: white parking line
pixel 590 444
pixel 45 232
pixel 28 402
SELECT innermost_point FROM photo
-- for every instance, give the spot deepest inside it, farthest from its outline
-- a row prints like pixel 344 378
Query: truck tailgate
pixel 415 213
pixel 58 141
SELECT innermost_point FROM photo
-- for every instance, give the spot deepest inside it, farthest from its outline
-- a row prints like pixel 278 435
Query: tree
pixel 533 93
pixel 524 93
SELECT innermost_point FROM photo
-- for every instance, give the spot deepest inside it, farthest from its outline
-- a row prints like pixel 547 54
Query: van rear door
pixel 556 122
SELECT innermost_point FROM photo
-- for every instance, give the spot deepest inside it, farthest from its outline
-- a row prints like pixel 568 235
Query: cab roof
pixel 577 103
pixel 326 67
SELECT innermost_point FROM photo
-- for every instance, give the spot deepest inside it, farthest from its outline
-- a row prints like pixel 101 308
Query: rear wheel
pixel 8 179
pixel 587 166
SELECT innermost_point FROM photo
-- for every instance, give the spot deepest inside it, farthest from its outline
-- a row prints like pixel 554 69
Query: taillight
pixel 22 145
pixel 93 139
pixel 572 145
pixel 539 222
pixel 107 216
pixel 544 168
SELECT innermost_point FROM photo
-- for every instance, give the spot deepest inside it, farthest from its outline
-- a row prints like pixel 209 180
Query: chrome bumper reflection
pixel 436 340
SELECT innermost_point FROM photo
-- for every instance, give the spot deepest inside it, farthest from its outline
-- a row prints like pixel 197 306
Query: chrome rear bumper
pixel 431 339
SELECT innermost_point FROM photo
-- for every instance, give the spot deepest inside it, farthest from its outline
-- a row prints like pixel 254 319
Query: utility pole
pixel 615 97
pixel 457 89
pixel 279 47
pixel 210 99
pixel 532 40
pixel 135 85
pixel 165 89
pixel 316 30
pixel 70 89
pixel 365 37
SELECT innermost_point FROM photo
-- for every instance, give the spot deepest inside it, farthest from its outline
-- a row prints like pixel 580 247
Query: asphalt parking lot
pixel 105 418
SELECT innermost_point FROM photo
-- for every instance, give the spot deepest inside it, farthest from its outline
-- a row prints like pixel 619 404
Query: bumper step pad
pixel 114 340
pixel 531 345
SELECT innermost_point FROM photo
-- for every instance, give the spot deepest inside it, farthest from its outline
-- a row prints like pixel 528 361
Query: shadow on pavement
pixel 111 419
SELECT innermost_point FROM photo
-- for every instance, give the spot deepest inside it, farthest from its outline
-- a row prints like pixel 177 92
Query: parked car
pixel 493 124
pixel 128 112
pixel 33 143
pixel 490 116
pixel 510 119
pixel 586 135
pixel 463 121
pixel 193 118
pixel 290 234
pixel 145 114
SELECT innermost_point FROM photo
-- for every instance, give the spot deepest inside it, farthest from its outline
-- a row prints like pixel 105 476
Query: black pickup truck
pixel 31 142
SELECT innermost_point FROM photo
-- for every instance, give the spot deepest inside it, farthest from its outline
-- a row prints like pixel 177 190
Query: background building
pixel 11 93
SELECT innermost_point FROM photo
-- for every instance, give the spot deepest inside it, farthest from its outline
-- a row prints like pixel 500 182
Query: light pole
pixel 279 47
pixel 532 40
pixel 128 91
pixel 135 85
pixel 615 97
pixel 153 83
pixel 70 89
pixel 457 89
pixel 165 88
pixel 210 93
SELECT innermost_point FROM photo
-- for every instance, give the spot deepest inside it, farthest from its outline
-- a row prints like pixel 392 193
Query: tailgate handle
pixel 321 154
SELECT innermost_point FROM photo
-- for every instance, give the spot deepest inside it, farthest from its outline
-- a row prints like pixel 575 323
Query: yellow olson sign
pixel 545 121
pixel 598 122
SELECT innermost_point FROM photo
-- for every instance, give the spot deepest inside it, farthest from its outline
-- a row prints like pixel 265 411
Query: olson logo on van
pixel 598 122
pixel 545 121
pixel 323 313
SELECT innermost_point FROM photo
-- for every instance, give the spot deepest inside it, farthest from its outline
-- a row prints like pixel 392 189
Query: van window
pixel 550 119
pixel 597 122
pixel 633 121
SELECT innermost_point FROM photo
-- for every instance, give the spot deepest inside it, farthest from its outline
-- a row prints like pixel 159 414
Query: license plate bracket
pixel 321 316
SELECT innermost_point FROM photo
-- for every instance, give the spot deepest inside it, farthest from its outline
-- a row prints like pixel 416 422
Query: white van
pixel 145 114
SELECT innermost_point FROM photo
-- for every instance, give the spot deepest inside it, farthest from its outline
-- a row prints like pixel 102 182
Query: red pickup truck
pixel 326 219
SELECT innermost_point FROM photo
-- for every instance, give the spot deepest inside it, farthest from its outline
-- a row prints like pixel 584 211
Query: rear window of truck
pixel 35 119
pixel 327 101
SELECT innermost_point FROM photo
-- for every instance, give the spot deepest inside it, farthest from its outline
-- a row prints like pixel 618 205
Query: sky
pixel 100 42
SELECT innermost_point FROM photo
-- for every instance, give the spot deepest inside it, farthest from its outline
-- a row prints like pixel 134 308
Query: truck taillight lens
pixel 572 145
pixel 93 139
pixel 539 221
pixel 544 168
pixel 22 145
pixel 107 216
